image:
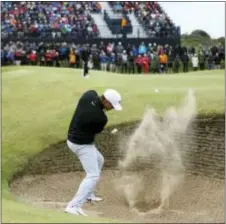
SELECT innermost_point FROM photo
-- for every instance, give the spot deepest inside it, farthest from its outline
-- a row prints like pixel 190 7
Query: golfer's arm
pixel 97 126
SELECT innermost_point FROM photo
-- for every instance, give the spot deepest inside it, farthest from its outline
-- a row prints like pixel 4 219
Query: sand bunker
pixel 155 180
pixel 199 199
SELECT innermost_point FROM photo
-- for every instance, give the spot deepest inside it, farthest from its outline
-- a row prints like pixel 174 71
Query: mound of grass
pixel 38 102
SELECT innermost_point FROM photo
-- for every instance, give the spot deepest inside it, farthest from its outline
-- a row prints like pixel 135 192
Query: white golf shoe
pixel 93 198
pixel 75 211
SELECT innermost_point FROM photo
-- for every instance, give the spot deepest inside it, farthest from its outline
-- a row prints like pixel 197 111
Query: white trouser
pixel 104 66
pixel 92 162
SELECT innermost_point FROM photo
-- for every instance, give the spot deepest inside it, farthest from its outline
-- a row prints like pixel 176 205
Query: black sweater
pixel 88 119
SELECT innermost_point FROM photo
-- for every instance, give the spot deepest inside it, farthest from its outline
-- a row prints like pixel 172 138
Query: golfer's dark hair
pixel 102 97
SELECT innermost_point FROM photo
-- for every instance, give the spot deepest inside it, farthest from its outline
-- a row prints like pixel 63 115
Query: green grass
pixel 38 102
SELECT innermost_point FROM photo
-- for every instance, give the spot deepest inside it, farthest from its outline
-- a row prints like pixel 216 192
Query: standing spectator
pixel 185 60
pixel 119 48
pixel 72 58
pixel 131 65
pixel 123 26
pixel 163 62
pixel 2 57
pixel 154 63
pixel 118 62
pixel 55 56
pixel 11 57
pixel 195 62
pixel 142 49
pixel 128 49
pixel 18 55
pixel 110 48
pixel 124 62
pixel 63 51
pixel 139 64
pixel 176 64
pixel 95 55
pixel 134 51
pixel 145 61
pixel 48 58
pixel 201 60
pixel 210 61
pixel 170 63
pixel 112 62
pixel 217 61
pixel 103 61
pixel 33 58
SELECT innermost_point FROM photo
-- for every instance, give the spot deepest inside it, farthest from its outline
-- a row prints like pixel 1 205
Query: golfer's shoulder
pixel 89 95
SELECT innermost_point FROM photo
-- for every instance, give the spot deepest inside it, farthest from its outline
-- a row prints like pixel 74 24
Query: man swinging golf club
pixel 89 119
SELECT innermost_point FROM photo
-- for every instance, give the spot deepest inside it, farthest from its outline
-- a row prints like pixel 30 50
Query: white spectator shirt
pixel 157 28
pixel 124 57
pixel 89 29
pixel 153 16
pixel 195 61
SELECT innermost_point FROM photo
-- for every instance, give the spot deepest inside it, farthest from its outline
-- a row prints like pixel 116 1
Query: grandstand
pixel 88 21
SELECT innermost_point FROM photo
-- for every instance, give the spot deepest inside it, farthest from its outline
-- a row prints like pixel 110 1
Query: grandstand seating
pixel 77 20
pixel 41 19
pixel 151 16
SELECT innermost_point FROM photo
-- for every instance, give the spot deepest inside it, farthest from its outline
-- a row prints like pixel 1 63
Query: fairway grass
pixel 38 102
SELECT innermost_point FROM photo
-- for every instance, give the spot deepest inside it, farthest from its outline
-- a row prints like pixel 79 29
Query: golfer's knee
pixel 94 176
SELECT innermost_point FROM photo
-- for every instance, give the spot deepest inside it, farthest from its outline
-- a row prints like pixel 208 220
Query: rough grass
pixel 38 102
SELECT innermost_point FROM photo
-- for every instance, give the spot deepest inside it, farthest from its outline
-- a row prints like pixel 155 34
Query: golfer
pixel 89 119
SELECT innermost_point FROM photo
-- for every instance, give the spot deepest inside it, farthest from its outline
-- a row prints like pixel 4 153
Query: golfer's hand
pixel 114 131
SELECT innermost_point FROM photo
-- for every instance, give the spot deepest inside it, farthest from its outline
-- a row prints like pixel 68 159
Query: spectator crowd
pixel 150 14
pixel 59 20
pixel 44 19
pixel 20 19
pixel 131 59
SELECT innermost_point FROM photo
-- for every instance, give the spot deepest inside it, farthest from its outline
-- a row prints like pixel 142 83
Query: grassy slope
pixel 37 105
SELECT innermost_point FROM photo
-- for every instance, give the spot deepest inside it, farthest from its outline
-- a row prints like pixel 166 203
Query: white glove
pixel 114 131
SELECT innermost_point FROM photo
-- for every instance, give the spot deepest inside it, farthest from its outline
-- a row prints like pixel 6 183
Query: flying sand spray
pixel 154 140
